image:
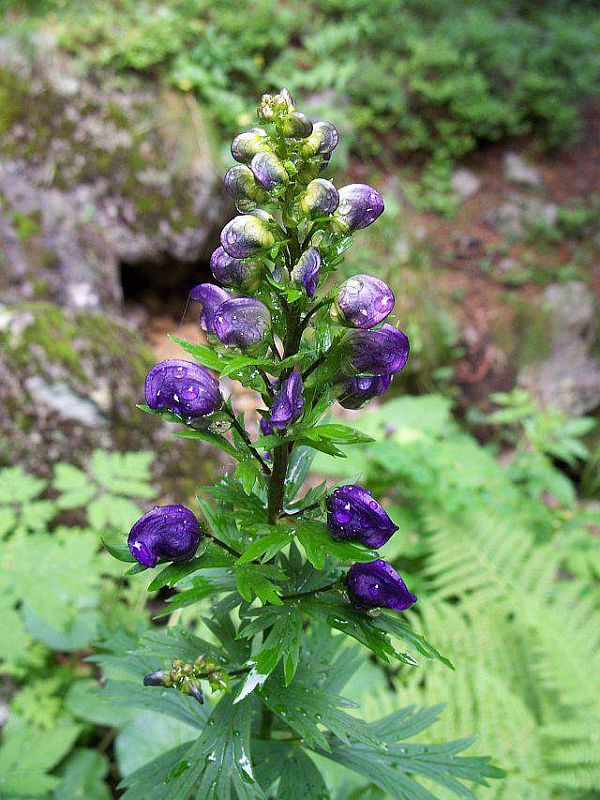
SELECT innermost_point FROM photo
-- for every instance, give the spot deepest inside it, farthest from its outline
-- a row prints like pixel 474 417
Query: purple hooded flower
pixel 376 584
pixel 246 234
pixel 360 205
pixel 322 140
pixel 211 297
pixel 247 144
pixel 359 390
pixel 166 533
pixel 288 403
pixel 364 301
pixel 265 427
pixel 242 322
pixel 319 197
pixel 182 387
pixel 234 271
pixel 296 125
pixel 353 513
pixel 268 170
pixel 240 184
pixel 306 271
pixel 381 351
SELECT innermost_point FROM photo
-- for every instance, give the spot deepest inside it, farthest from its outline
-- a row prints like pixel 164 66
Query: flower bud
pixel 376 584
pixel 273 106
pixel 322 140
pixel 234 271
pixel 240 184
pixel 296 125
pixel 358 391
pixel 247 144
pixel 306 272
pixel 166 533
pixel 246 234
pixel 182 387
pixel 242 322
pixel 211 297
pixel 319 197
pixel 268 170
pixel 363 301
pixel 288 403
pixel 353 513
pixel 359 207
pixel 381 351
pixel 266 428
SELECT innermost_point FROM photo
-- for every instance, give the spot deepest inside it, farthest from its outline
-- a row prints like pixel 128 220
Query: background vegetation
pixel 498 505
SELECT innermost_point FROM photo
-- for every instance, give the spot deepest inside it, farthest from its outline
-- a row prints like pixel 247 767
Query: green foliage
pixel 488 556
pixel 406 78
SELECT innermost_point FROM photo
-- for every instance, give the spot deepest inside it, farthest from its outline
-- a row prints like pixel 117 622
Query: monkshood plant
pixel 292 574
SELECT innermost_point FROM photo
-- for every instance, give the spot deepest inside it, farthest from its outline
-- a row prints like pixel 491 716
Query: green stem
pixel 242 432
pixel 310 592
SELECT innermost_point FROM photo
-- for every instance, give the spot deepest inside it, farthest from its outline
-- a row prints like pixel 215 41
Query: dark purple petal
pixel 234 271
pixel 358 391
pixel 240 184
pixel 166 533
pixel 319 197
pixel 322 141
pixel 242 322
pixel 364 301
pixel 296 125
pixel 306 272
pixel 265 427
pixel 353 513
pixel 182 387
pixel 380 351
pixel 360 205
pixel 245 235
pixel 245 146
pixel 376 584
pixel 211 297
pixel 268 170
pixel 288 403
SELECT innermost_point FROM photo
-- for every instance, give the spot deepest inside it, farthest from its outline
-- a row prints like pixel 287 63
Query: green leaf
pixel 109 512
pixel 300 778
pixel 83 777
pixel 317 543
pixel 215 439
pixel 267 545
pixel 204 355
pixel 74 485
pixel 338 434
pixel 147 735
pixel 118 548
pixel 126 474
pixel 251 582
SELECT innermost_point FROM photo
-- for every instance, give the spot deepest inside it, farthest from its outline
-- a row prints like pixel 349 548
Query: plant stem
pixel 298 595
pixel 242 432
pixel 218 542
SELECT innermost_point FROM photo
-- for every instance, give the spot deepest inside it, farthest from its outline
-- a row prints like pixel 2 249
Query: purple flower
pixel 360 205
pixel 268 170
pixel 265 427
pixel 240 184
pixel 242 322
pixel 211 297
pixel 380 351
pixel 182 387
pixel 364 301
pixel 319 197
pixel 288 403
pixel 353 513
pixel 306 272
pixel 322 140
pixel 234 271
pixel 166 533
pixel 296 125
pixel 376 584
pixel 246 234
pixel 359 390
pixel 246 145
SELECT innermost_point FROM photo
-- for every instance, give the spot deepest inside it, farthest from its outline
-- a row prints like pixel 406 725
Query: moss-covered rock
pixel 93 173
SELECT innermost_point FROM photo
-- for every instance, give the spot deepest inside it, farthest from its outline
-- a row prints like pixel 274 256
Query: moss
pixel 12 92
pixel 27 225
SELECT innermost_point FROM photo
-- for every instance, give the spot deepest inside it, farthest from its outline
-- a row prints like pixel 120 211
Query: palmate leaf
pixel 301 779
pixel 317 544
pixel 282 642
pixel 217 764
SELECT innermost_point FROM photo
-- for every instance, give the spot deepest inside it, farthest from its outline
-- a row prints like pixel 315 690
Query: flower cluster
pixel 298 337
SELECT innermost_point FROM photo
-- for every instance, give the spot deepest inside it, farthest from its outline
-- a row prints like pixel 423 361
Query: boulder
pixel 567 377
pixel 94 174
pixel 517 170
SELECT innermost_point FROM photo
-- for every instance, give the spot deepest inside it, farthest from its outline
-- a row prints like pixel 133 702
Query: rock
pixel 465 183
pixel 514 217
pixel 70 381
pixel 568 376
pixel 92 174
pixel 517 170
